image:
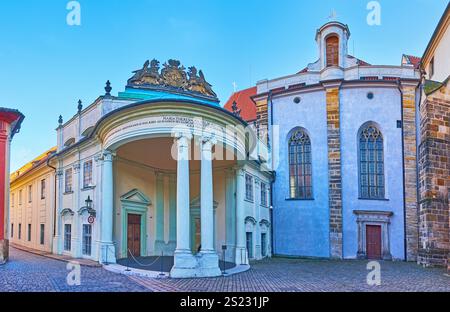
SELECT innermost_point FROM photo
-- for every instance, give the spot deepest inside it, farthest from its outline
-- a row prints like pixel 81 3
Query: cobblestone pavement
pixel 287 275
pixel 28 272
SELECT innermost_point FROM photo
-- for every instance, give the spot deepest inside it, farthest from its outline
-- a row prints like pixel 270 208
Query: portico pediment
pixel 195 203
pixel 136 197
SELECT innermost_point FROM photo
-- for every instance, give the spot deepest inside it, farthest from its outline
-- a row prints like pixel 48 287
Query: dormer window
pixel 332 46
pixel 69 142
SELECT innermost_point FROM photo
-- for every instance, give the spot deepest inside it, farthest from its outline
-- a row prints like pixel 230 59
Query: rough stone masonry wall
pixel 410 158
pixel 262 119
pixel 334 172
pixel 434 240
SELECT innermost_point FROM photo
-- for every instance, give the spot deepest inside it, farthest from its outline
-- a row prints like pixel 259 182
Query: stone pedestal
pixel 4 251
pixel 208 265
pixel 185 265
pixel 107 253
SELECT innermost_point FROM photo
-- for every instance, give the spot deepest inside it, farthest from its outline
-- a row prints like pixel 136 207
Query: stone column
pixel 230 214
pixel 241 249
pixel 185 263
pixel 209 260
pixel 159 211
pixel 172 213
pixel 107 247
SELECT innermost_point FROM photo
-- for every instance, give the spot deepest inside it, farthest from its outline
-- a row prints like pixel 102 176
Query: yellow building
pixel 32 204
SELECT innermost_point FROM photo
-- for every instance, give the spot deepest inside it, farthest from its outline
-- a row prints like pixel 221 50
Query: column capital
pixel 209 140
pixel 182 135
pixel 108 156
pixel 239 170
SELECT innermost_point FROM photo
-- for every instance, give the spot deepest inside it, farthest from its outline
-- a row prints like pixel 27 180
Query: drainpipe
pixel 270 124
pixel 405 241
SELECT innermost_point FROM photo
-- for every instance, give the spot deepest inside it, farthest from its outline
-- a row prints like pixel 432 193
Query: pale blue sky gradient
pixel 46 65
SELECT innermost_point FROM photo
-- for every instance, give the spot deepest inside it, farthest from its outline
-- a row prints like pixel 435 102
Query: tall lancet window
pixel 300 167
pixel 332 44
pixel 371 163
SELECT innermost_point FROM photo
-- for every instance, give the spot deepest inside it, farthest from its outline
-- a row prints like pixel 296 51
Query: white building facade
pixel 161 169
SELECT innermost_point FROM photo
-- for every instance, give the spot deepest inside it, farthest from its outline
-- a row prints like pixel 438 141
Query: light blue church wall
pixel 301 227
pixel 384 110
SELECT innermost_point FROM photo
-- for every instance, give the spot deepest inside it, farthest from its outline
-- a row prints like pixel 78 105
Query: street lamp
pixel 91 211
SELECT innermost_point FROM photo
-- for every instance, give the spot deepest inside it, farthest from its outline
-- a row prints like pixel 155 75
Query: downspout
pixel 270 124
pixel 405 241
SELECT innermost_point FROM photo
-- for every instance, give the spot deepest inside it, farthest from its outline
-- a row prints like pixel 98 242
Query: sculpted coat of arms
pixel 173 75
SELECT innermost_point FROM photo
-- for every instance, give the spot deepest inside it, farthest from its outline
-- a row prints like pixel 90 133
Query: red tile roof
pixel 413 60
pixel 244 103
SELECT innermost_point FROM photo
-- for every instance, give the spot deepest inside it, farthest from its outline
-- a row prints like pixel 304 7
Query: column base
pixel 107 253
pixel 230 253
pixel 167 249
pixel 186 265
pixel 4 251
pixel 208 264
pixel 241 256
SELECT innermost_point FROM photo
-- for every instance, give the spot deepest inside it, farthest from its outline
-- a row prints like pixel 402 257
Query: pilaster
pixel 334 169
pixel 410 163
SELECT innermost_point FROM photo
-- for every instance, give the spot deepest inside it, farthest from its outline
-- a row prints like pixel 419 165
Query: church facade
pixel 342 135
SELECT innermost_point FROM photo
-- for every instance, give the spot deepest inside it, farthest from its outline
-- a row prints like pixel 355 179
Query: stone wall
pixel 434 151
pixel 262 119
pixel 334 171
pixel 410 163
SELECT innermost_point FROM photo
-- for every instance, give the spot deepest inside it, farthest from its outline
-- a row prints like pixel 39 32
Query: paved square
pixel 28 272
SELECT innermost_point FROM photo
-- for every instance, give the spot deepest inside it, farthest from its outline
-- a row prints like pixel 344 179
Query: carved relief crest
pixel 173 75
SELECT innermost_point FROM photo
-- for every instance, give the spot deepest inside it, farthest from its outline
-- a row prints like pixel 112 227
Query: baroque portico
pixel 160 170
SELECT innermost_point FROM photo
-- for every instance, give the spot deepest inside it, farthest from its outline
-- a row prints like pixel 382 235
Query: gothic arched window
pixel 300 167
pixel 332 46
pixel 371 163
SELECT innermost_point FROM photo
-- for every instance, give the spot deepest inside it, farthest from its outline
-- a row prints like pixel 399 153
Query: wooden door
pixel 373 240
pixel 134 235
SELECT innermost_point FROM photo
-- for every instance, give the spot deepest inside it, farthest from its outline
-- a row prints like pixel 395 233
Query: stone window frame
pixel 376 218
pixel 68 181
pixel 264 197
pixel 293 135
pixel 385 189
pixel 249 190
pixel 67 239
pixel 88 174
pixel 30 194
pixel 43 188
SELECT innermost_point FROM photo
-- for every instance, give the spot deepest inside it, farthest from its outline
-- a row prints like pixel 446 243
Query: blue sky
pixel 46 65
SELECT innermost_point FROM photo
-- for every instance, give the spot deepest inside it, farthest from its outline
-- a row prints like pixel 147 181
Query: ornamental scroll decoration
pixel 172 76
